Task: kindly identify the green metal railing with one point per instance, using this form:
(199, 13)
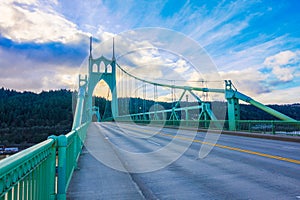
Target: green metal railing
(44, 170)
(29, 174)
(254, 126)
(270, 127)
(69, 148)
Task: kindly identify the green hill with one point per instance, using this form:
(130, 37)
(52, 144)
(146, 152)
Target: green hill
(27, 117)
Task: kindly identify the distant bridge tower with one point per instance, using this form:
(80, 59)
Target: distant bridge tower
(233, 106)
(101, 69)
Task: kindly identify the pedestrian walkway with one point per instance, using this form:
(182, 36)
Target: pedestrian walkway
(94, 180)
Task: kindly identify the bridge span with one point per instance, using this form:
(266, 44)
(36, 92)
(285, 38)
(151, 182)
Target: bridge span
(124, 160)
(236, 168)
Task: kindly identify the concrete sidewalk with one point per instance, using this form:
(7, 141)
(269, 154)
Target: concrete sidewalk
(94, 180)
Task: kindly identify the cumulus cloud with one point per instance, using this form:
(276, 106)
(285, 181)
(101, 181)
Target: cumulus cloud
(281, 65)
(255, 84)
(266, 83)
(249, 81)
(282, 58)
(103, 35)
(283, 96)
(283, 74)
(21, 73)
(60, 77)
(181, 66)
(29, 21)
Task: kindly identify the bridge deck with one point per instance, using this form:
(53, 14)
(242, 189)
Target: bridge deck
(238, 168)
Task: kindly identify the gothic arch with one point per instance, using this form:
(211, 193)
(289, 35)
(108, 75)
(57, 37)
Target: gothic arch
(95, 77)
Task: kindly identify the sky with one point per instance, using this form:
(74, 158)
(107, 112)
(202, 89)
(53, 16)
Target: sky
(254, 43)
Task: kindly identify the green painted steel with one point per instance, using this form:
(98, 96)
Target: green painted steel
(189, 88)
(69, 148)
(101, 69)
(80, 104)
(233, 106)
(31, 173)
(231, 95)
(271, 111)
(204, 107)
(253, 126)
(95, 111)
(233, 112)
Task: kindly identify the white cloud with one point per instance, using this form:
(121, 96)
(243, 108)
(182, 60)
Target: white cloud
(282, 58)
(224, 32)
(56, 78)
(279, 64)
(283, 74)
(103, 35)
(181, 66)
(28, 2)
(210, 26)
(281, 96)
(249, 81)
(248, 54)
(21, 73)
(255, 84)
(28, 21)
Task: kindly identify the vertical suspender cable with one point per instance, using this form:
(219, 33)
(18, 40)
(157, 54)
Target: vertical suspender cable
(144, 97)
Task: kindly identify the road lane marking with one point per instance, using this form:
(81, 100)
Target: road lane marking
(152, 142)
(228, 147)
(237, 149)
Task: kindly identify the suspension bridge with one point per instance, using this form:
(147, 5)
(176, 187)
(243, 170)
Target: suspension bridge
(146, 145)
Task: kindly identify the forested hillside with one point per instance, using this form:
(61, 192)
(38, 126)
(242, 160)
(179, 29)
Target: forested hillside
(27, 117)
(249, 112)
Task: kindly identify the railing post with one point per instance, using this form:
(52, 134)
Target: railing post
(76, 149)
(79, 107)
(53, 168)
(62, 165)
(273, 127)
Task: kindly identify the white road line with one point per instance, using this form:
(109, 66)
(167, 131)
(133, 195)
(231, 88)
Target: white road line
(152, 142)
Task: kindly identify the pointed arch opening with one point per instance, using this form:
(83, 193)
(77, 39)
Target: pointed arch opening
(102, 67)
(95, 68)
(102, 98)
(108, 69)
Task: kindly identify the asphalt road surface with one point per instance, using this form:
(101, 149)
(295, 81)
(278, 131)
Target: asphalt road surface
(123, 161)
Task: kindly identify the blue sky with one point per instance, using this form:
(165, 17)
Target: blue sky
(256, 44)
